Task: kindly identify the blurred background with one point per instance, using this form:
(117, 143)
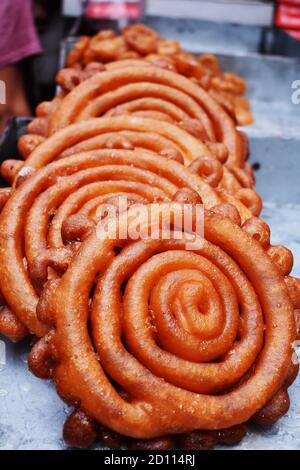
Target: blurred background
(246, 34)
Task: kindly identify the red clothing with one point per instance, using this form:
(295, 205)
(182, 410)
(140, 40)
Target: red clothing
(18, 38)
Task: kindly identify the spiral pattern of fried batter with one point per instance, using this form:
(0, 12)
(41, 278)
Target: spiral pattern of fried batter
(105, 90)
(208, 329)
(34, 232)
(139, 43)
(142, 133)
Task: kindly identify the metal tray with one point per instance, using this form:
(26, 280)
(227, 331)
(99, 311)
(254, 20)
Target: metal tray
(9, 139)
(32, 415)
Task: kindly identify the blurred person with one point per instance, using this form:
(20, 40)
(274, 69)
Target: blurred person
(18, 41)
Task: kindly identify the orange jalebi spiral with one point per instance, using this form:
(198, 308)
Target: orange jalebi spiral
(9, 324)
(34, 232)
(159, 102)
(106, 90)
(181, 337)
(139, 42)
(161, 94)
(184, 104)
(136, 132)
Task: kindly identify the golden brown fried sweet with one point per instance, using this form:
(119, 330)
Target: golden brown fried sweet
(140, 41)
(160, 104)
(33, 229)
(180, 339)
(108, 89)
(141, 38)
(152, 135)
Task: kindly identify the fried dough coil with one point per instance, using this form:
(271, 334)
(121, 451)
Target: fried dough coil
(10, 326)
(196, 338)
(165, 98)
(156, 101)
(105, 90)
(140, 43)
(32, 222)
(81, 131)
(141, 133)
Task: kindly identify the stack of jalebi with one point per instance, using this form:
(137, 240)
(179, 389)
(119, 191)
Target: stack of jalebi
(141, 42)
(177, 339)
